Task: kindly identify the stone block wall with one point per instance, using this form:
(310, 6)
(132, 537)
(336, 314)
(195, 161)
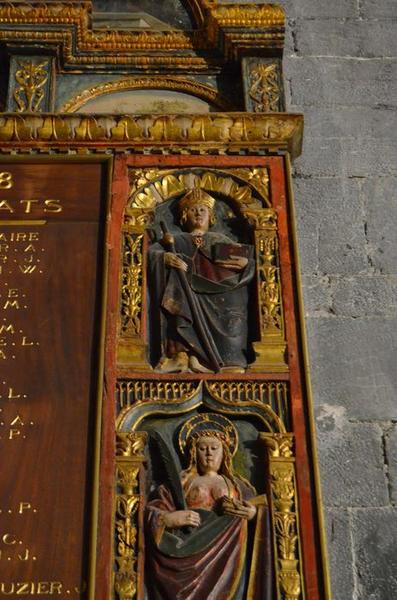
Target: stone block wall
(341, 71)
(340, 68)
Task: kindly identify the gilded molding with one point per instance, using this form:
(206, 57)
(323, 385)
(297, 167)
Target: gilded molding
(243, 15)
(160, 82)
(220, 27)
(225, 131)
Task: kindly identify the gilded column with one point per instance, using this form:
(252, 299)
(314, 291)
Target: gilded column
(129, 460)
(270, 348)
(284, 508)
(132, 343)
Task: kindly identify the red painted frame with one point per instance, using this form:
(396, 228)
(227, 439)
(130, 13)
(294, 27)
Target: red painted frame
(305, 466)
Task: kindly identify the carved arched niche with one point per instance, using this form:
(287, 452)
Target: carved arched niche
(244, 212)
(154, 95)
(151, 414)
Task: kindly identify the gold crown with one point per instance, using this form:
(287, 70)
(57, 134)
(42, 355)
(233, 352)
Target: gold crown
(194, 197)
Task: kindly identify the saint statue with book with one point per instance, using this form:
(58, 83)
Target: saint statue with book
(199, 293)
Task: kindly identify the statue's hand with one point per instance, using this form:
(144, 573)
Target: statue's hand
(237, 508)
(180, 518)
(234, 263)
(172, 260)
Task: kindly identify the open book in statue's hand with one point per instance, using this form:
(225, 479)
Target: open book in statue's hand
(221, 252)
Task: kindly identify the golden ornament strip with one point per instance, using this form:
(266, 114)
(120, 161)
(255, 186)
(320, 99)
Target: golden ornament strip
(232, 131)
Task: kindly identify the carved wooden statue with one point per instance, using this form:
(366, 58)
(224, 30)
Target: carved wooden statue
(199, 293)
(205, 526)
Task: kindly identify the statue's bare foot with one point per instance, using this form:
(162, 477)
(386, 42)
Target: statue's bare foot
(179, 363)
(196, 366)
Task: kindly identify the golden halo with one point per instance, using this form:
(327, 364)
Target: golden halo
(208, 424)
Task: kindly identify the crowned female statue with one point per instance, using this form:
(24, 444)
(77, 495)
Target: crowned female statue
(199, 546)
(198, 293)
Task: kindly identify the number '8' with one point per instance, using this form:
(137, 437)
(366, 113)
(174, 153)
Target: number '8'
(6, 180)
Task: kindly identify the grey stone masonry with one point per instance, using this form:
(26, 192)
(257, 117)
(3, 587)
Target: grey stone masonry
(340, 70)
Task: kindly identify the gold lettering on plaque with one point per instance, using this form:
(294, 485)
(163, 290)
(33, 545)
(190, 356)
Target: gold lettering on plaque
(11, 395)
(14, 433)
(23, 506)
(19, 236)
(30, 588)
(28, 207)
(31, 205)
(7, 328)
(8, 539)
(6, 181)
(15, 428)
(27, 269)
(12, 299)
(5, 206)
(24, 556)
(53, 206)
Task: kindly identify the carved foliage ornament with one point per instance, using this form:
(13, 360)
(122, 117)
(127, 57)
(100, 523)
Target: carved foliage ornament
(264, 88)
(131, 291)
(285, 521)
(129, 458)
(30, 77)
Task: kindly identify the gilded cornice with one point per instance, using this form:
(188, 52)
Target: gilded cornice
(219, 132)
(160, 82)
(229, 29)
(247, 14)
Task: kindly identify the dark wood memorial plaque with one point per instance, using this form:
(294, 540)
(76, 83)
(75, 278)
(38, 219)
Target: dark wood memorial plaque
(51, 263)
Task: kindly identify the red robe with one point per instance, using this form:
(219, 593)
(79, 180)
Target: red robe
(203, 564)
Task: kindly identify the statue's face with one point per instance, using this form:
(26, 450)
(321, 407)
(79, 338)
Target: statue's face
(198, 217)
(209, 454)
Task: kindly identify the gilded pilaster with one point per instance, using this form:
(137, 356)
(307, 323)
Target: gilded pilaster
(284, 507)
(132, 345)
(271, 346)
(129, 460)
